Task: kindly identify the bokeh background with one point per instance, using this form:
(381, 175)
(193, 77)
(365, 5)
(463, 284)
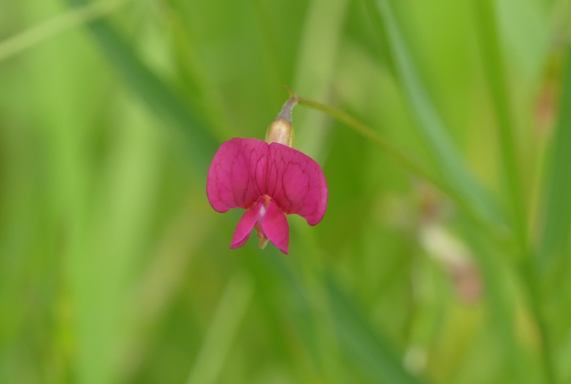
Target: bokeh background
(444, 253)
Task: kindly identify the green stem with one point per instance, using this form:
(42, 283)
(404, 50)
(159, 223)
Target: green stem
(362, 129)
(410, 164)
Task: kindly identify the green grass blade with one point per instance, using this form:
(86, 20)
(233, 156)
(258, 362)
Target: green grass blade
(222, 332)
(316, 67)
(557, 201)
(52, 27)
(369, 351)
(497, 83)
(372, 355)
(297, 302)
(153, 91)
(429, 123)
(499, 303)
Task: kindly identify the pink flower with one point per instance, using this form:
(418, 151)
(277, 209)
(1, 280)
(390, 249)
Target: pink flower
(269, 180)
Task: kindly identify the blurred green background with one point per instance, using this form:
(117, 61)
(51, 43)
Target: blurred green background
(444, 253)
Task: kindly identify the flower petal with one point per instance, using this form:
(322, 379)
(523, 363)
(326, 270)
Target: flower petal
(296, 182)
(275, 226)
(244, 227)
(236, 176)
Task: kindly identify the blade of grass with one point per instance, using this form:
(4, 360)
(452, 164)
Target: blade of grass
(167, 104)
(56, 74)
(356, 338)
(192, 76)
(429, 123)
(322, 31)
(368, 350)
(117, 225)
(499, 303)
(557, 204)
(52, 27)
(222, 332)
(497, 82)
(154, 92)
(554, 238)
(163, 277)
(297, 302)
(273, 53)
(311, 272)
(372, 354)
(432, 128)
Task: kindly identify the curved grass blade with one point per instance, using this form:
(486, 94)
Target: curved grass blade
(52, 27)
(365, 347)
(497, 82)
(222, 332)
(498, 300)
(322, 33)
(371, 354)
(496, 78)
(430, 124)
(557, 218)
(153, 91)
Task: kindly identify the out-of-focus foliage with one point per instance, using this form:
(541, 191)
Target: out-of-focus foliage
(114, 269)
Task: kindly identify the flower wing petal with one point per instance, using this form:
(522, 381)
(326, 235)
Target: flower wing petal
(237, 174)
(275, 227)
(244, 227)
(296, 182)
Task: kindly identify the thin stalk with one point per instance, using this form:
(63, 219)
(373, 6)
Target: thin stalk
(362, 129)
(410, 164)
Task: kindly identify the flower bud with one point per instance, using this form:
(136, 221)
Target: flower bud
(281, 129)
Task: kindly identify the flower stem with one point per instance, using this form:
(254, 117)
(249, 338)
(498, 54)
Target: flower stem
(367, 132)
(287, 108)
(410, 164)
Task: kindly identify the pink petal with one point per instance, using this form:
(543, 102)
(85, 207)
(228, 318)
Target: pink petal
(296, 182)
(275, 226)
(244, 227)
(236, 177)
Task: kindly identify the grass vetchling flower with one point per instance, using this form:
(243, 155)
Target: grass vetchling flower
(268, 179)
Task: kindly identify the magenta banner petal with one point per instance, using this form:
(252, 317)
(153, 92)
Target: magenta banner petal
(236, 177)
(275, 226)
(244, 227)
(296, 182)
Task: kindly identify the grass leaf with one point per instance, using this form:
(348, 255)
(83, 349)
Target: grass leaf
(429, 123)
(497, 82)
(557, 201)
(52, 27)
(222, 331)
(369, 351)
(500, 304)
(153, 91)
